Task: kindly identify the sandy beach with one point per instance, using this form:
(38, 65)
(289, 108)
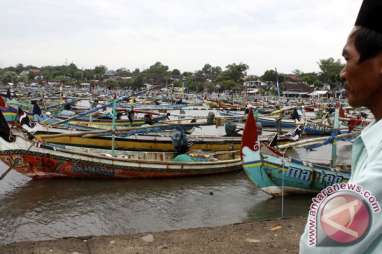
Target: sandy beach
(272, 236)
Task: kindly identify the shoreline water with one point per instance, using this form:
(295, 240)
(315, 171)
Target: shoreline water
(269, 236)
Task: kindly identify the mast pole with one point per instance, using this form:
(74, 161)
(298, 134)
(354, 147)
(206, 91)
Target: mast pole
(336, 126)
(113, 126)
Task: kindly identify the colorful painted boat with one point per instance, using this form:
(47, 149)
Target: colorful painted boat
(314, 129)
(10, 113)
(147, 142)
(270, 122)
(45, 161)
(278, 175)
(144, 142)
(105, 123)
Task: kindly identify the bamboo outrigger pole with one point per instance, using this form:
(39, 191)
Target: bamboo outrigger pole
(312, 141)
(114, 112)
(98, 108)
(96, 133)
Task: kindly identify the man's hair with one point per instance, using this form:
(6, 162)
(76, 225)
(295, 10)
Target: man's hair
(368, 43)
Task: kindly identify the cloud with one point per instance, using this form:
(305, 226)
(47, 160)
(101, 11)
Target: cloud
(183, 34)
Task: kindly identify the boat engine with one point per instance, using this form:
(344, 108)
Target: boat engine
(231, 129)
(180, 142)
(210, 118)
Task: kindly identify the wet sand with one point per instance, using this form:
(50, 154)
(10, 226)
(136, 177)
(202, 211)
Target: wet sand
(272, 236)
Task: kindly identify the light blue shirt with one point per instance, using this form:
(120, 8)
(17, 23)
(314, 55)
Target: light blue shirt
(366, 172)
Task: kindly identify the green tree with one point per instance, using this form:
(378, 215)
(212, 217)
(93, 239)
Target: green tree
(175, 74)
(8, 77)
(99, 71)
(78, 75)
(210, 72)
(232, 77)
(157, 74)
(137, 82)
(19, 68)
(112, 83)
(70, 70)
(123, 72)
(229, 84)
(236, 72)
(330, 71)
(23, 78)
(311, 78)
(269, 76)
(88, 74)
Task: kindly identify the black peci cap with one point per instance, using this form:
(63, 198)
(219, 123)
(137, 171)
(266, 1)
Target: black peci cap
(370, 15)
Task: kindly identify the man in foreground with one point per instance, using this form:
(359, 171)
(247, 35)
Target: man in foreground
(346, 218)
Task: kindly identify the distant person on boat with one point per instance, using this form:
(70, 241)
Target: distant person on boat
(347, 218)
(295, 115)
(23, 119)
(9, 94)
(36, 112)
(130, 115)
(148, 119)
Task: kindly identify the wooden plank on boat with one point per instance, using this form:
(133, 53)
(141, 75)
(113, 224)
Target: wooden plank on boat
(312, 141)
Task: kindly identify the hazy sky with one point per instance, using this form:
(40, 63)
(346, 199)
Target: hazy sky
(287, 34)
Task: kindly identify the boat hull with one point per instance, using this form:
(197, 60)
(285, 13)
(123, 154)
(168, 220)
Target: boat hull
(267, 122)
(53, 164)
(147, 143)
(277, 177)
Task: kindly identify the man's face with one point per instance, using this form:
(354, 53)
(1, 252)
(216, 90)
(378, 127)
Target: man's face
(363, 80)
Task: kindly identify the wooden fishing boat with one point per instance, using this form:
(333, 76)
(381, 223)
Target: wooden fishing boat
(291, 136)
(271, 122)
(314, 129)
(47, 161)
(278, 175)
(223, 105)
(144, 141)
(105, 123)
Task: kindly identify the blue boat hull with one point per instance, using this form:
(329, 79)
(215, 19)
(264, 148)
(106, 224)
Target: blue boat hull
(271, 123)
(276, 177)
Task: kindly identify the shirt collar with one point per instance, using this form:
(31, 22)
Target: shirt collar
(371, 136)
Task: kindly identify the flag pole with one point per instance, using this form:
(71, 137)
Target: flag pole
(277, 83)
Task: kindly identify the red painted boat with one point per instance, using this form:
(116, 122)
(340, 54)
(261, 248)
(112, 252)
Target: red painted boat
(46, 161)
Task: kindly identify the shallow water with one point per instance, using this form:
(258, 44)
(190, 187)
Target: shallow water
(49, 209)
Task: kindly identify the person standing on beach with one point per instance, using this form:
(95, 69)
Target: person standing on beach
(346, 217)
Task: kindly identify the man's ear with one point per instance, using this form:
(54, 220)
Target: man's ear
(379, 57)
(379, 62)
